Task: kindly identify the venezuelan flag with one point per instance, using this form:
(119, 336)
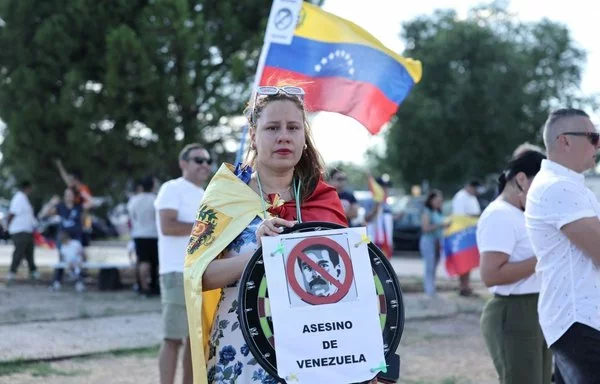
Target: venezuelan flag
(344, 69)
(460, 245)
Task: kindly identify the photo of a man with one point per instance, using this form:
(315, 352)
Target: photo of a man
(329, 261)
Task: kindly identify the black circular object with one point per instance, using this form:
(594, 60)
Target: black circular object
(254, 316)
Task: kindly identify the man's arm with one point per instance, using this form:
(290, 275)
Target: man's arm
(369, 216)
(170, 226)
(352, 211)
(585, 234)
(63, 172)
(11, 216)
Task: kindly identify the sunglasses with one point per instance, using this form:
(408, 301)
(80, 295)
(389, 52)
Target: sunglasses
(593, 137)
(340, 178)
(273, 91)
(201, 160)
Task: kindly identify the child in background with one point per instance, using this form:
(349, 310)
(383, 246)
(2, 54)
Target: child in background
(72, 254)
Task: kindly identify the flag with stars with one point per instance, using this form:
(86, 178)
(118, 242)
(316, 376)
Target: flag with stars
(342, 68)
(460, 245)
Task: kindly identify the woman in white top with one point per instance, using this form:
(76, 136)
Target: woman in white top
(509, 321)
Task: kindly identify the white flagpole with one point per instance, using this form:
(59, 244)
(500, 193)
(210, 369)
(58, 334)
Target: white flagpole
(278, 33)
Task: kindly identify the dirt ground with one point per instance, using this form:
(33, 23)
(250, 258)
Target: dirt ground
(437, 351)
(442, 351)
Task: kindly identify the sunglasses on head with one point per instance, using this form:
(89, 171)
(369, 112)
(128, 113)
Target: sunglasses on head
(273, 91)
(593, 137)
(201, 160)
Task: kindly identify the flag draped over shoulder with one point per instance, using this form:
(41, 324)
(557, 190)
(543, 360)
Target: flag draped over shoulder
(227, 208)
(344, 68)
(460, 245)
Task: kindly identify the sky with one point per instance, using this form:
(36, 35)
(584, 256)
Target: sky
(377, 18)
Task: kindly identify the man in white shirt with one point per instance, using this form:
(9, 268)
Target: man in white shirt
(465, 203)
(145, 236)
(21, 223)
(562, 221)
(176, 206)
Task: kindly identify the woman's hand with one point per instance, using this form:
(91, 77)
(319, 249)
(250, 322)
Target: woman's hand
(273, 227)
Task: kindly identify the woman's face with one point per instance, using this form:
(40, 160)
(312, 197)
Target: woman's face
(69, 196)
(522, 183)
(437, 201)
(279, 136)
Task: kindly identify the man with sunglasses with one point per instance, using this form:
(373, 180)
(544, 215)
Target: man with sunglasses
(562, 222)
(176, 205)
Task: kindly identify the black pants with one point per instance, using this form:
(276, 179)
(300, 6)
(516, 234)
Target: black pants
(23, 242)
(577, 355)
(146, 250)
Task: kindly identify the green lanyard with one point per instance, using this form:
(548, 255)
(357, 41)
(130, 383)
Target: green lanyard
(296, 196)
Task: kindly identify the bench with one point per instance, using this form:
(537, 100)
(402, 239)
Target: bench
(109, 276)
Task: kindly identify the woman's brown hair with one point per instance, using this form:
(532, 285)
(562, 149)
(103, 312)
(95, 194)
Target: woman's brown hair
(310, 167)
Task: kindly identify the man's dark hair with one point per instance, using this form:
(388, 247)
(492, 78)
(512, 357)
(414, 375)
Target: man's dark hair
(334, 172)
(333, 255)
(384, 181)
(25, 184)
(185, 152)
(147, 183)
(474, 183)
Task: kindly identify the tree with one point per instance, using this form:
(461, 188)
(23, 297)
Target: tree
(488, 84)
(117, 88)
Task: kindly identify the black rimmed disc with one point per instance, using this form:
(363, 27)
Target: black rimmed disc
(254, 313)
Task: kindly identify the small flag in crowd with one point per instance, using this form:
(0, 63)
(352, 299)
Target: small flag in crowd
(460, 245)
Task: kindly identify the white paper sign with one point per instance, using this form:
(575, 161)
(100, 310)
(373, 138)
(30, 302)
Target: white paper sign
(324, 306)
(282, 21)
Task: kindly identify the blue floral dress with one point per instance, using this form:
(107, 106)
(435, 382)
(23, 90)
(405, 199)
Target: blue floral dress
(229, 359)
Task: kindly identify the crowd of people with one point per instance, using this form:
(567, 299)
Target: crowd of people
(538, 242)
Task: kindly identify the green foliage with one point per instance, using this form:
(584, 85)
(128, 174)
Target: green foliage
(488, 84)
(117, 88)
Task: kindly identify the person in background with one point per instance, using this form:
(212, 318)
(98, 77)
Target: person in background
(176, 205)
(145, 236)
(83, 197)
(465, 203)
(379, 217)
(21, 223)
(338, 180)
(71, 221)
(71, 252)
(561, 216)
(430, 243)
(509, 322)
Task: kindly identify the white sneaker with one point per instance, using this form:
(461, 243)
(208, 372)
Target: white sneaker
(10, 276)
(35, 275)
(79, 286)
(56, 286)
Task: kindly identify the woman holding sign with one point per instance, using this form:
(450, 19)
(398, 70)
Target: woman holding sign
(509, 322)
(279, 185)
